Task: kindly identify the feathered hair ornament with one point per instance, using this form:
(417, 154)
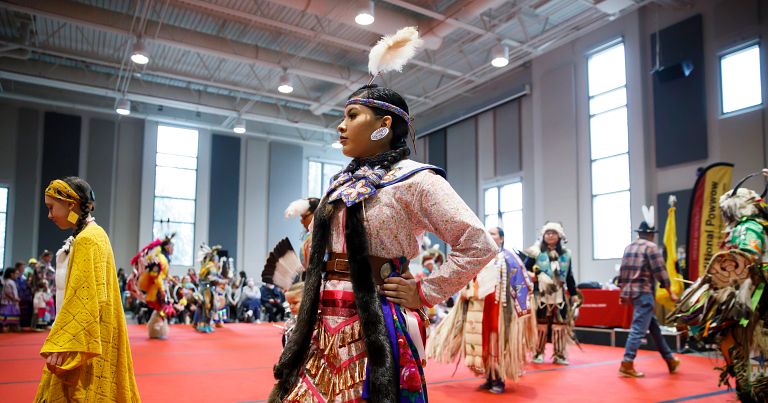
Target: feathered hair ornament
(648, 225)
(392, 52)
(649, 216)
(297, 208)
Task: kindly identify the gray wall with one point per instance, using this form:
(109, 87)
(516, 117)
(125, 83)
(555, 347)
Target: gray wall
(124, 233)
(285, 185)
(25, 192)
(101, 166)
(254, 213)
(461, 160)
(224, 192)
(110, 160)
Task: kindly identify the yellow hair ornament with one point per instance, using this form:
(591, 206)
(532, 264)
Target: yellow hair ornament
(61, 190)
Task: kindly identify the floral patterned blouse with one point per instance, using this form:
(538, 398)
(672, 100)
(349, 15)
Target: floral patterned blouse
(399, 214)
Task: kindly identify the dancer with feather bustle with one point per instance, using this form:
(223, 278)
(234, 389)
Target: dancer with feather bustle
(727, 305)
(359, 336)
(149, 282)
(210, 277)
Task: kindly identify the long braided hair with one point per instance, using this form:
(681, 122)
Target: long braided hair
(381, 363)
(87, 200)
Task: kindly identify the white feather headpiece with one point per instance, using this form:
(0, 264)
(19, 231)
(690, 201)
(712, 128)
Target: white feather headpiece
(297, 208)
(649, 216)
(553, 226)
(392, 52)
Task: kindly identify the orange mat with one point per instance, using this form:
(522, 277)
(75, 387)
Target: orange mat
(234, 364)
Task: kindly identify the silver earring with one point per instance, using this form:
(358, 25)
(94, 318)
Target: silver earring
(379, 133)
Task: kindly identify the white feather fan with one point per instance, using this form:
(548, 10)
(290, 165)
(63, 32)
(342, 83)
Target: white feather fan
(283, 266)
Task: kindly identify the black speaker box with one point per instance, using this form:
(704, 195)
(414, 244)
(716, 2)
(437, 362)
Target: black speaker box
(674, 71)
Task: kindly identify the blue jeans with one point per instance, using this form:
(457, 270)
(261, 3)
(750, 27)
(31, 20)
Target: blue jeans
(644, 320)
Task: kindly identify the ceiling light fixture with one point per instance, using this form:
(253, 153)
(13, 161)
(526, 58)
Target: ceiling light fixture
(286, 87)
(500, 56)
(365, 15)
(139, 54)
(123, 107)
(337, 145)
(239, 126)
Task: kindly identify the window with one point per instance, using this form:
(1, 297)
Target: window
(319, 177)
(609, 151)
(740, 79)
(175, 190)
(504, 208)
(3, 220)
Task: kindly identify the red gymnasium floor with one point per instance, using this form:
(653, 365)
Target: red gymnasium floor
(234, 365)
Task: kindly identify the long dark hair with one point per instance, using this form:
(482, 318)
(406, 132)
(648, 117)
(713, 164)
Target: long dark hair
(313, 203)
(87, 200)
(400, 127)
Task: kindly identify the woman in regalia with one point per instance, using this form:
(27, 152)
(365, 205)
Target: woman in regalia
(359, 336)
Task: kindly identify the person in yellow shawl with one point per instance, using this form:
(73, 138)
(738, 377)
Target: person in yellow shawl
(87, 355)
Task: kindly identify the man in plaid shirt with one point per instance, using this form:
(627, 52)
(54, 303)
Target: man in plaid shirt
(641, 266)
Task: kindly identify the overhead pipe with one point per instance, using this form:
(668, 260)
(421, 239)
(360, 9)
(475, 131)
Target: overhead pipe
(434, 33)
(387, 21)
(157, 118)
(16, 53)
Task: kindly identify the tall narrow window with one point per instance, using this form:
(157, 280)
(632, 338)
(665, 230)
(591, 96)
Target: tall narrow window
(609, 151)
(319, 176)
(3, 220)
(175, 190)
(740, 82)
(504, 208)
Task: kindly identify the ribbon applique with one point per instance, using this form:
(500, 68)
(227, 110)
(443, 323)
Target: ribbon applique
(356, 187)
(357, 191)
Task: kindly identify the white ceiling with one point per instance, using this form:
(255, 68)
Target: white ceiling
(214, 60)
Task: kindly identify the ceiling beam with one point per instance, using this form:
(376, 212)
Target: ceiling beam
(117, 23)
(446, 19)
(94, 59)
(98, 84)
(154, 117)
(307, 33)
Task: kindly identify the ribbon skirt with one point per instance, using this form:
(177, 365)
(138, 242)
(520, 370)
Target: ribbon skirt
(336, 366)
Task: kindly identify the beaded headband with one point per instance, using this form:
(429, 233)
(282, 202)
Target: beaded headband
(381, 105)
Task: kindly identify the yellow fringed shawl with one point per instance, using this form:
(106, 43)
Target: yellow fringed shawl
(91, 327)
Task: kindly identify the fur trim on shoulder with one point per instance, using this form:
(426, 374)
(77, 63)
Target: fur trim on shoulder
(286, 371)
(532, 251)
(382, 379)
